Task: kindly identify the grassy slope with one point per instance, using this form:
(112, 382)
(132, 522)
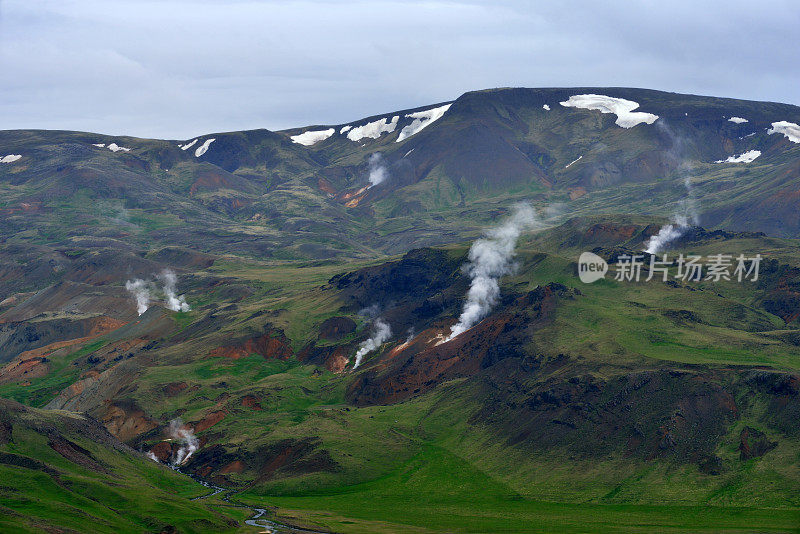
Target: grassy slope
(486, 487)
(403, 465)
(457, 481)
(132, 495)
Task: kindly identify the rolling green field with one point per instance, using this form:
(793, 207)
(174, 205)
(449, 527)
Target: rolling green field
(432, 463)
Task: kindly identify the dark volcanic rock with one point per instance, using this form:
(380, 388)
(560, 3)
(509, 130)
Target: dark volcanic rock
(649, 414)
(754, 443)
(421, 364)
(287, 457)
(335, 328)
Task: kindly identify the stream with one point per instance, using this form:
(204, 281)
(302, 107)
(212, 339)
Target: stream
(271, 527)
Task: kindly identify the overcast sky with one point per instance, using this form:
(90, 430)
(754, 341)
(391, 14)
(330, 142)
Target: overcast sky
(175, 68)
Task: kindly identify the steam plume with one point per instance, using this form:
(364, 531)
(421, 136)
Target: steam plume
(686, 212)
(189, 442)
(411, 335)
(380, 333)
(666, 235)
(555, 210)
(141, 292)
(173, 302)
(377, 169)
(489, 259)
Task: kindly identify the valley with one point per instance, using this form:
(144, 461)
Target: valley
(612, 406)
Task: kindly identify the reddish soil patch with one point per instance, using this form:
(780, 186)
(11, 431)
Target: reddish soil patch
(250, 401)
(295, 456)
(209, 420)
(27, 368)
(126, 420)
(338, 360)
(174, 388)
(609, 233)
(209, 179)
(326, 186)
(270, 345)
(99, 326)
(576, 193)
(162, 450)
(236, 466)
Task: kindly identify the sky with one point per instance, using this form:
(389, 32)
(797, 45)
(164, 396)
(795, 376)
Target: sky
(175, 69)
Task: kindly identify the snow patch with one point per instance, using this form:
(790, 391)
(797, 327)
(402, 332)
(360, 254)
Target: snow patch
(11, 158)
(188, 145)
(623, 109)
(546, 107)
(575, 161)
(312, 136)
(204, 147)
(789, 129)
(373, 129)
(113, 147)
(422, 119)
(345, 129)
(747, 157)
(738, 120)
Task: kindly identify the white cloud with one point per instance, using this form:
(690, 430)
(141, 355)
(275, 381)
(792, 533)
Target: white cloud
(246, 64)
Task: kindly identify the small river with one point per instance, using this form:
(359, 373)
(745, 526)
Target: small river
(267, 525)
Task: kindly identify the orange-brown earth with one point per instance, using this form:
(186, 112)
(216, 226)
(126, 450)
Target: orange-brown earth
(270, 345)
(417, 366)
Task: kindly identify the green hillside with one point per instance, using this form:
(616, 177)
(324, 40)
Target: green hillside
(613, 406)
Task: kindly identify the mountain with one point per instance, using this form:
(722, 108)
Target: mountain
(607, 406)
(257, 190)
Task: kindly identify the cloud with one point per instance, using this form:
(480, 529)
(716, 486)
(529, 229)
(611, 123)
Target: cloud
(80, 65)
